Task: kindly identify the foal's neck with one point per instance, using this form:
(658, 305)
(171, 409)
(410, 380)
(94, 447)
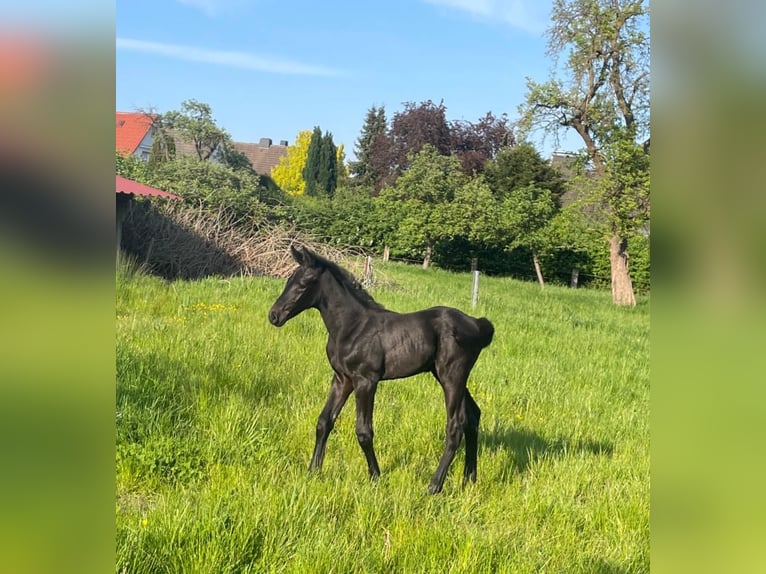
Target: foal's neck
(339, 308)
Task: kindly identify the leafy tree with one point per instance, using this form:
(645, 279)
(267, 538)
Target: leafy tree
(414, 206)
(211, 185)
(163, 142)
(288, 174)
(473, 213)
(414, 128)
(525, 213)
(130, 166)
(521, 166)
(476, 143)
(194, 123)
(365, 170)
(604, 98)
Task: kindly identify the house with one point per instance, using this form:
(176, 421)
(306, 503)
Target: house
(264, 155)
(134, 133)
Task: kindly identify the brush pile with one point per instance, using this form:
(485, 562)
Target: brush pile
(178, 241)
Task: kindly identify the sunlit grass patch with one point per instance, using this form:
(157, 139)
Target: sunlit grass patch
(216, 411)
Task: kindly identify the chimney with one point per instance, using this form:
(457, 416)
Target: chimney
(265, 142)
(283, 143)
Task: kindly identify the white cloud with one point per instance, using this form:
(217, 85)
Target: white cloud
(243, 60)
(529, 15)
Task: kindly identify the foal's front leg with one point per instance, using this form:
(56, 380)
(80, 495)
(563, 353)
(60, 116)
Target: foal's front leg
(365, 402)
(340, 389)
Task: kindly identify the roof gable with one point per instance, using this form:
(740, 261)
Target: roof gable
(130, 130)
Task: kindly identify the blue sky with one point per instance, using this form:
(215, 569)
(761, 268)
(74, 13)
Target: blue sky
(270, 68)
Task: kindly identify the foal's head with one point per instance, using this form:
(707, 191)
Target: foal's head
(301, 291)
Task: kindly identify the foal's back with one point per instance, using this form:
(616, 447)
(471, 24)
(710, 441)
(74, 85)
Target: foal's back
(415, 342)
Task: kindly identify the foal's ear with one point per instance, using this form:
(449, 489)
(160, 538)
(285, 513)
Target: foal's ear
(297, 254)
(303, 256)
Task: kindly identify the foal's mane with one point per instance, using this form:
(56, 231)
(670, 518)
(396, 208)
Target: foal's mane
(348, 281)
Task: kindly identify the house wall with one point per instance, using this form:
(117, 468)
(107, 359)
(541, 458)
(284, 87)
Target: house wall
(144, 149)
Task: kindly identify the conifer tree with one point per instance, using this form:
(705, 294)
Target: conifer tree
(364, 170)
(321, 170)
(328, 166)
(311, 169)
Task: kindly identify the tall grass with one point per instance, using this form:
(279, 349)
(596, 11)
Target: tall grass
(215, 426)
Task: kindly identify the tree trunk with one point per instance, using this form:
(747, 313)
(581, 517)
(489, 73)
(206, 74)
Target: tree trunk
(622, 286)
(539, 272)
(427, 259)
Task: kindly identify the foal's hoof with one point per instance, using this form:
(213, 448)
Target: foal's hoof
(469, 478)
(434, 488)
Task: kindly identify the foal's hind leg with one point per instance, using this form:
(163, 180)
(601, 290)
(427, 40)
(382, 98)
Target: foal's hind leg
(473, 414)
(339, 391)
(454, 391)
(365, 402)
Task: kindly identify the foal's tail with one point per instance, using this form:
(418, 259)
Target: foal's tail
(486, 331)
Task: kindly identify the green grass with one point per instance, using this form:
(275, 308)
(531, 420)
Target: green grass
(215, 427)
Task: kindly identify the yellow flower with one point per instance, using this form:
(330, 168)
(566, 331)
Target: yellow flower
(144, 521)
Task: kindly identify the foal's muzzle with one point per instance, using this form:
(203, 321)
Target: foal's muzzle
(274, 318)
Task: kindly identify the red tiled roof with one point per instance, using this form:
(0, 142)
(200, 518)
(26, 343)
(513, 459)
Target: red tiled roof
(131, 128)
(125, 185)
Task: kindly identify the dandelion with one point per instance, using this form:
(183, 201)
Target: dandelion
(213, 307)
(144, 521)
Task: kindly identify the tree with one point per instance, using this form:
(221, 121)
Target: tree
(311, 169)
(521, 166)
(320, 171)
(415, 203)
(211, 185)
(288, 173)
(342, 169)
(605, 100)
(472, 214)
(131, 166)
(476, 143)
(365, 170)
(195, 124)
(414, 128)
(524, 214)
(328, 166)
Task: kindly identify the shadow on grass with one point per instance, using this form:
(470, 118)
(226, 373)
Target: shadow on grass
(527, 446)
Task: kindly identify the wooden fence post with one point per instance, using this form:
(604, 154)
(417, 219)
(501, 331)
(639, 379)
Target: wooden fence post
(475, 289)
(575, 276)
(368, 278)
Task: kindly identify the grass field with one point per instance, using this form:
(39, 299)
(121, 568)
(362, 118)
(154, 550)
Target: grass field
(216, 412)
